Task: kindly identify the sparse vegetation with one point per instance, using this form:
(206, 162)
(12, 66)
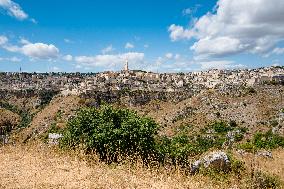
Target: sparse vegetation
(26, 117)
(263, 180)
(266, 140)
(46, 96)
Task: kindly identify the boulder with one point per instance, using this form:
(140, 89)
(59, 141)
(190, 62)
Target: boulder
(53, 138)
(264, 153)
(215, 160)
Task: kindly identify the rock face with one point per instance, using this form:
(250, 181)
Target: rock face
(215, 160)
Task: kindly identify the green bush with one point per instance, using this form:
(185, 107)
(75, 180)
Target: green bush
(112, 133)
(178, 149)
(221, 127)
(268, 140)
(248, 146)
(46, 96)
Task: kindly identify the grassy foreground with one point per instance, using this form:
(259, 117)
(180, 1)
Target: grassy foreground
(41, 167)
(38, 166)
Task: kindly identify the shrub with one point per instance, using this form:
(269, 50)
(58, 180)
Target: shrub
(268, 140)
(248, 146)
(46, 96)
(221, 127)
(250, 90)
(263, 180)
(112, 133)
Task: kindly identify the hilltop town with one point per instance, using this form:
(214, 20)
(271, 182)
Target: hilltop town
(196, 112)
(137, 80)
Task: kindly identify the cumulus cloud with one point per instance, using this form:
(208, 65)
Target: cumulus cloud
(108, 49)
(179, 32)
(13, 9)
(32, 50)
(110, 60)
(235, 26)
(40, 51)
(129, 46)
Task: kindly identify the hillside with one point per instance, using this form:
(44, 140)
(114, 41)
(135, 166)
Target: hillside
(255, 111)
(38, 164)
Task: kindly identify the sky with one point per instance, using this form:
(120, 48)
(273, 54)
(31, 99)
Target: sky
(152, 35)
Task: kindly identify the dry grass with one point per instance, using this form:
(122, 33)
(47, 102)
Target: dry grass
(274, 166)
(39, 166)
(30, 167)
(6, 115)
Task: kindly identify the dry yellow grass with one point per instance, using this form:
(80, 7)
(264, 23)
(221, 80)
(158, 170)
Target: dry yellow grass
(39, 166)
(25, 167)
(6, 115)
(273, 166)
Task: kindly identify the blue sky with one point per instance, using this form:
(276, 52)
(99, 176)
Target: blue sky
(163, 36)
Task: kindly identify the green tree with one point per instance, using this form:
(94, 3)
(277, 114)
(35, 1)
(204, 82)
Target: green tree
(112, 133)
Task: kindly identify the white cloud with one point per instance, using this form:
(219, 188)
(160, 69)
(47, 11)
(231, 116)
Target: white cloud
(218, 46)
(146, 46)
(178, 32)
(275, 51)
(177, 56)
(222, 64)
(3, 40)
(12, 59)
(169, 55)
(24, 41)
(40, 51)
(32, 50)
(15, 59)
(108, 49)
(13, 9)
(111, 61)
(236, 26)
(278, 51)
(129, 45)
(67, 57)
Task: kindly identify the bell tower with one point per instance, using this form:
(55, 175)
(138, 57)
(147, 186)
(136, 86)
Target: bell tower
(126, 66)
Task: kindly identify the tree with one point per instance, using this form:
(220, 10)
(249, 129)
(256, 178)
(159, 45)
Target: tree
(112, 133)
